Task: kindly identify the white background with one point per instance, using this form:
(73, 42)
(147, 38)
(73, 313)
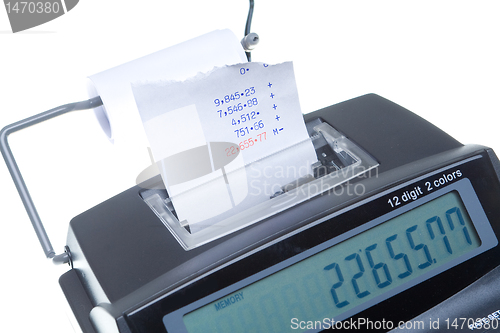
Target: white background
(439, 59)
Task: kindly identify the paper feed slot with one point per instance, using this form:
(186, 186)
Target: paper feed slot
(339, 160)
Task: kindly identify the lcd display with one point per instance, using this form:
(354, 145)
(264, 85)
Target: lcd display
(367, 267)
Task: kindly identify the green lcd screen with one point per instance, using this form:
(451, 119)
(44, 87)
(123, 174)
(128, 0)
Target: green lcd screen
(386, 256)
(332, 282)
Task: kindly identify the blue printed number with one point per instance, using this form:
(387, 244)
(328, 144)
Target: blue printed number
(357, 275)
(419, 247)
(376, 267)
(441, 230)
(399, 256)
(337, 285)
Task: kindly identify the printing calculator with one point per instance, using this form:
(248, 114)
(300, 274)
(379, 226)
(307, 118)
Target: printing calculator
(407, 244)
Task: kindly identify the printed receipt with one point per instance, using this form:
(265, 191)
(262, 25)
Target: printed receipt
(226, 140)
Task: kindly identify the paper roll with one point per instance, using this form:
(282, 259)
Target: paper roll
(119, 117)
